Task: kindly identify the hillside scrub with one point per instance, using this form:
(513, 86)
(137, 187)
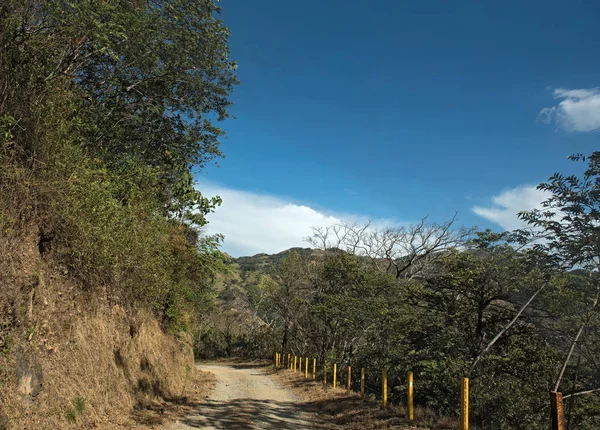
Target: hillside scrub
(519, 318)
(103, 264)
(350, 313)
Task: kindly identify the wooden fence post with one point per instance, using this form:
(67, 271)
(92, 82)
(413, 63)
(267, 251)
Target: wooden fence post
(324, 372)
(334, 375)
(557, 411)
(314, 369)
(275, 361)
(464, 404)
(362, 383)
(300, 370)
(295, 363)
(384, 388)
(411, 412)
(349, 380)
(306, 368)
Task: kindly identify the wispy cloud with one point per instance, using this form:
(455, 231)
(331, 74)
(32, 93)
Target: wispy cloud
(506, 205)
(578, 110)
(254, 223)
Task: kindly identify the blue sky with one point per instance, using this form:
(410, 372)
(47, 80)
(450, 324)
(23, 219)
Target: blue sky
(391, 110)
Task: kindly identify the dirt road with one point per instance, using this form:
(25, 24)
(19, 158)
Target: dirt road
(246, 398)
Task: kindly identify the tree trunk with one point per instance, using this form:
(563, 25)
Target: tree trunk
(284, 341)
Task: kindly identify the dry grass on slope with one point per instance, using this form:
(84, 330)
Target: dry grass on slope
(159, 414)
(102, 366)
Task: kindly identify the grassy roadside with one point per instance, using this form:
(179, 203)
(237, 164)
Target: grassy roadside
(160, 415)
(335, 409)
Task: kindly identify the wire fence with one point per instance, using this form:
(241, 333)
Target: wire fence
(328, 374)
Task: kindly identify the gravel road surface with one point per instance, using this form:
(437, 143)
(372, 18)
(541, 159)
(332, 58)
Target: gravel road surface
(246, 398)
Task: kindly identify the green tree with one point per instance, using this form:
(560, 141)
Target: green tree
(349, 298)
(106, 109)
(567, 229)
(288, 289)
(147, 81)
(569, 222)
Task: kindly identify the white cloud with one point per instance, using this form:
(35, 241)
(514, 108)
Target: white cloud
(578, 110)
(506, 205)
(254, 223)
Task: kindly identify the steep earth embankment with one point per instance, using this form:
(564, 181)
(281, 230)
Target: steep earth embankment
(69, 356)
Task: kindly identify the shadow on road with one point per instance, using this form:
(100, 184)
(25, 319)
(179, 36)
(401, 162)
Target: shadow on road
(248, 365)
(248, 414)
(235, 363)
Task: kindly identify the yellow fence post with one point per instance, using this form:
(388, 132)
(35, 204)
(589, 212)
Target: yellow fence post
(295, 363)
(384, 388)
(300, 370)
(362, 383)
(464, 404)
(324, 372)
(556, 408)
(334, 375)
(314, 369)
(411, 411)
(306, 368)
(349, 380)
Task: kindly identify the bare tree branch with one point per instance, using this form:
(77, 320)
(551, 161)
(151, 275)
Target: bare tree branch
(580, 393)
(403, 251)
(501, 332)
(573, 344)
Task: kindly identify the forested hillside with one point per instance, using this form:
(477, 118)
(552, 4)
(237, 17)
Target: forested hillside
(516, 312)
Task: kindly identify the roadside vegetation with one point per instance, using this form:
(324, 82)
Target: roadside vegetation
(516, 312)
(105, 109)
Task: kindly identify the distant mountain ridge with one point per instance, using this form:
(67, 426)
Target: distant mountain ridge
(262, 261)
